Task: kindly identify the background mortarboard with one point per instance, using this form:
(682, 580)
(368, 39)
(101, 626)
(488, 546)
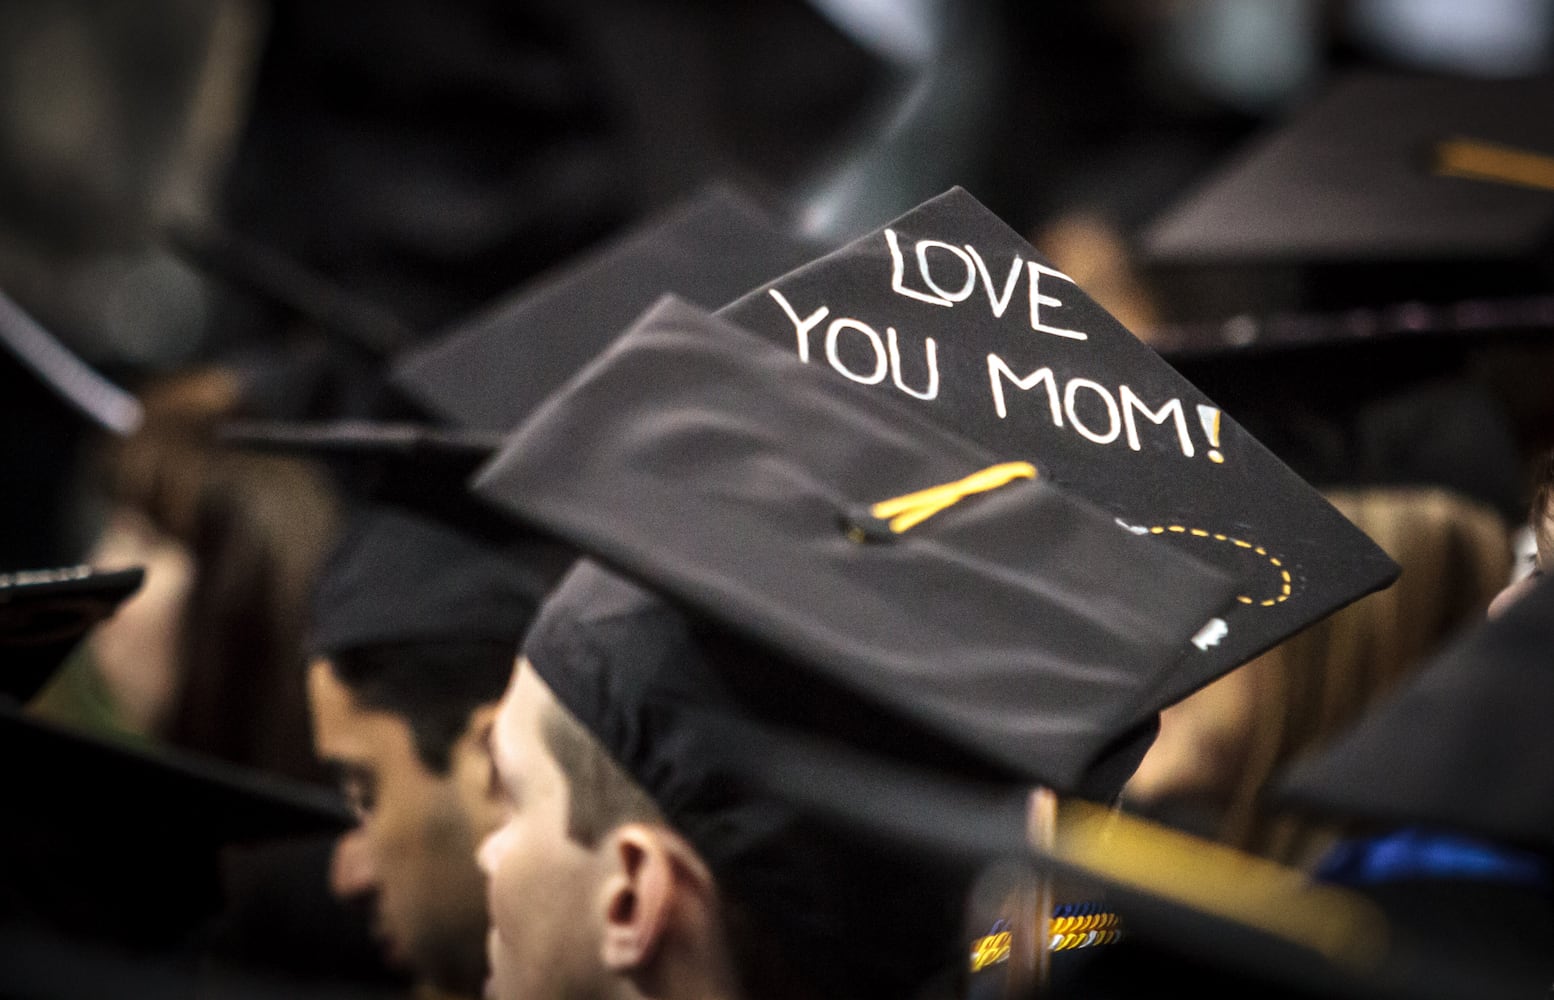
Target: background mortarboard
(1195, 914)
(421, 556)
(1463, 750)
(108, 839)
(490, 373)
(44, 614)
(1465, 745)
(995, 312)
(1023, 625)
(1348, 204)
(56, 403)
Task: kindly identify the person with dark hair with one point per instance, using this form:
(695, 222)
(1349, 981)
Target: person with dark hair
(416, 621)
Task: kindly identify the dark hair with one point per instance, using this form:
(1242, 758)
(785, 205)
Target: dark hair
(255, 527)
(434, 686)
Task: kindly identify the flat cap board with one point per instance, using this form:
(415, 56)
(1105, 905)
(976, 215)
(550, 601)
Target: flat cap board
(1385, 189)
(45, 613)
(493, 371)
(1465, 745)
(951, 312)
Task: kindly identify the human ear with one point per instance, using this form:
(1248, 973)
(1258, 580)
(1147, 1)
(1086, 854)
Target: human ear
(638, 896)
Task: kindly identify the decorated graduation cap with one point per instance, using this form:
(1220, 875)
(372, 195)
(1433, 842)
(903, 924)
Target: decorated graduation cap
(787, 551)
(1385, 189)
(1464, 746)
(421, 558)
(949, 312)
(708, 250)
(44, 614)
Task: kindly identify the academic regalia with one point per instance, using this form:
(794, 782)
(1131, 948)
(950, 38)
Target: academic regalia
(951, 313)
(1451, 783)
(492, 370)
(44, 614)
(1367, 283)
(113, 857)
(758, 614)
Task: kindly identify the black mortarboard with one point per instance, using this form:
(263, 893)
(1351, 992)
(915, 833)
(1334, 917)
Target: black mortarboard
(949, 311)
(71, 379)
(1020, 632)
(1465, 745)
(55, 404)
(45, 613)
(421, 558)
(152, 872)
(1193, 915)
(707, 250)
(1384, 189)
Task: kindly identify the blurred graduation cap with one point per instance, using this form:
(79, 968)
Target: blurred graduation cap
(44, 614)
(111, 840)
(1463, 746)
(55, 402)
(950, 312)
(818, 559)
(493, 371)
(1385, 191)
(1193, 914)
(421, 557)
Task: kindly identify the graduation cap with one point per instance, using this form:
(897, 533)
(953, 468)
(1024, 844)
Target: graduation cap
(1189, 914)
(54, 365)
(708, 250)
(950, 312)
(45, 613)
(1386, 190)
(1463, 746)
(55, 402)
(820, 559)
(150, 873)
(421, 559)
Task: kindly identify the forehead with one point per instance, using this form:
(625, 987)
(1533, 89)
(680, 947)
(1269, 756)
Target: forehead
(344, 728)
(521, 713)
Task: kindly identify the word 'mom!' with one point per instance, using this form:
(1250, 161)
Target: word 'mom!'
(947, 276)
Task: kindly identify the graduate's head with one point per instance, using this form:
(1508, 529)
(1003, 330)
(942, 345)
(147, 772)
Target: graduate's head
(634, 861)
(416, 624)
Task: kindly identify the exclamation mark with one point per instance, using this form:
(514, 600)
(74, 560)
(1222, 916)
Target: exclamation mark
(1208, 416)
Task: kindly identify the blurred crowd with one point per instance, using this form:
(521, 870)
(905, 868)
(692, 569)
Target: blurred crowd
(254, 217)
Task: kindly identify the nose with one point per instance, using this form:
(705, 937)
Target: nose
(351, 869)
(486, 854)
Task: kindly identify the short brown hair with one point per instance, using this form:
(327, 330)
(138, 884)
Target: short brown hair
(600, 794)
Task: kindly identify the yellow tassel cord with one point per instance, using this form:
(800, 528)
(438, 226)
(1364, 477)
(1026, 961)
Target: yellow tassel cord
(905, 512)
(1487, 161)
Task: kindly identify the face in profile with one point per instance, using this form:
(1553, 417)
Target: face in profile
(412, 854)
(545, 938)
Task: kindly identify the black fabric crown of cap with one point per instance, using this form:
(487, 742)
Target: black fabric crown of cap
(950, 312)
(710, 249)
(1465, 745)
(421, 559)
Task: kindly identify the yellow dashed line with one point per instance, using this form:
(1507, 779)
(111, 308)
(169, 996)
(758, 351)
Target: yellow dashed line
(1284, 574)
